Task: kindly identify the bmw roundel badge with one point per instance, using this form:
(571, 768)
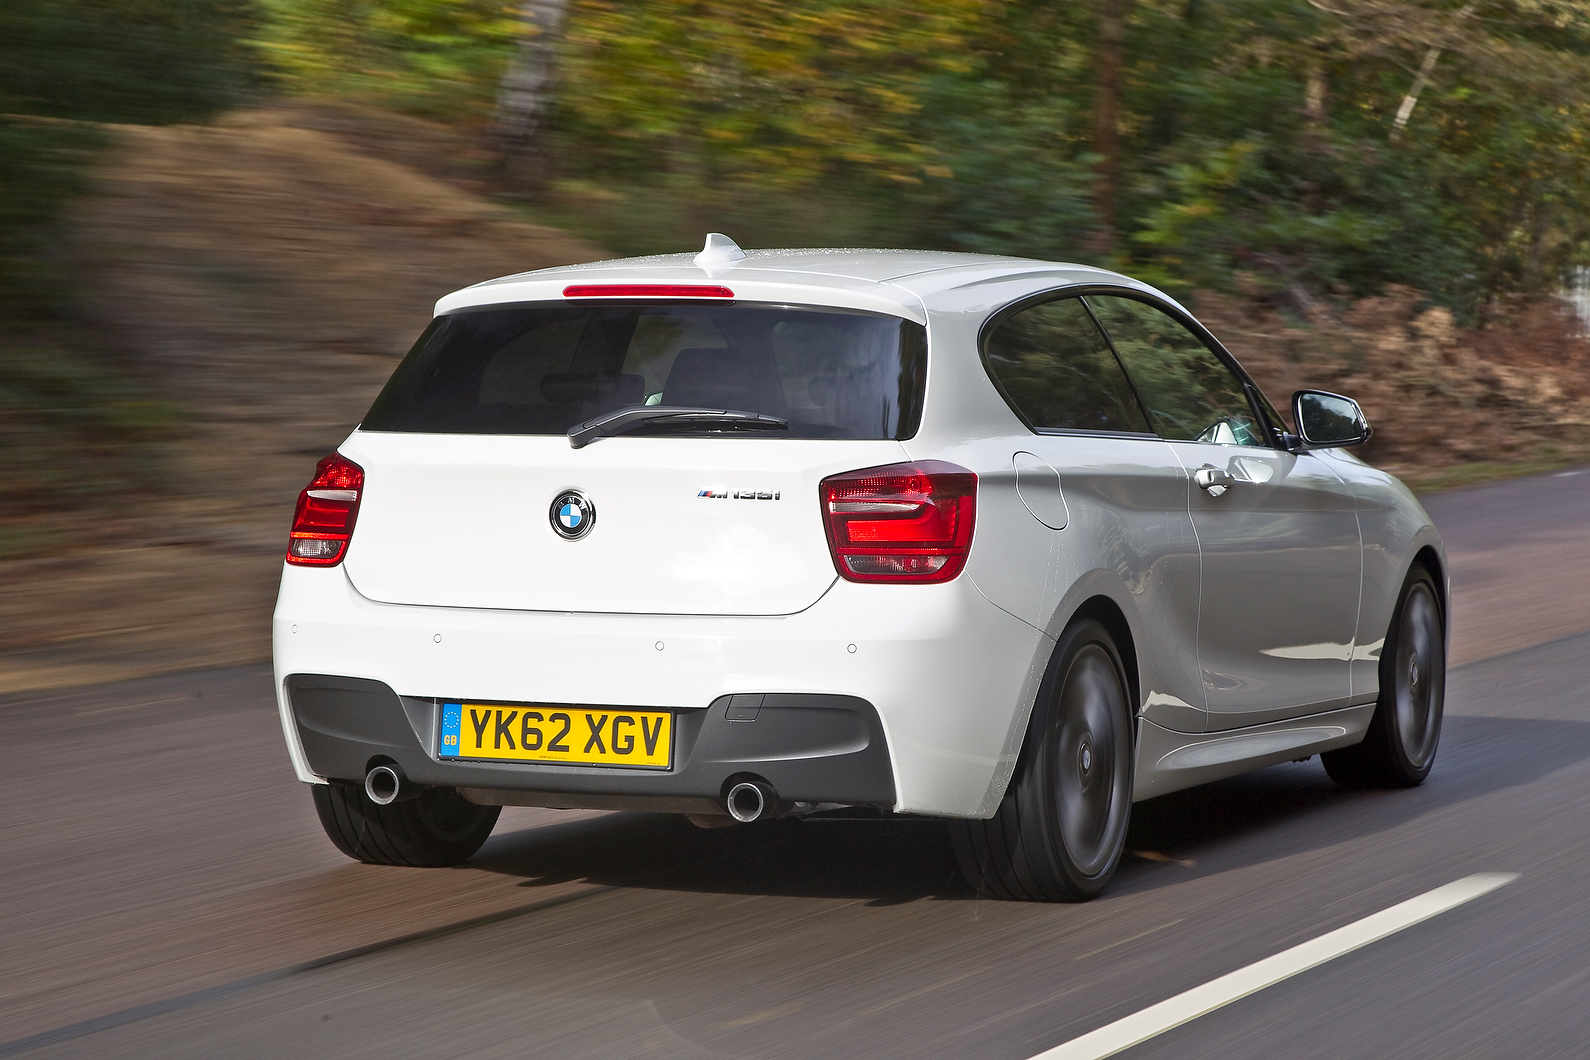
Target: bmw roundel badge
(572, 514)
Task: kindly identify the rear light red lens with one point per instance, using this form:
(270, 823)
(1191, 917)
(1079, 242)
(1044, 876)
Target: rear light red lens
(327, 508)
(646, 290)
(900, 523)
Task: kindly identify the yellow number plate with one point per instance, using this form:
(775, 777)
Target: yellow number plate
(587, 736)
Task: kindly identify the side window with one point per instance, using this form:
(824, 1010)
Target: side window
(1059, 372)
(1190, 394)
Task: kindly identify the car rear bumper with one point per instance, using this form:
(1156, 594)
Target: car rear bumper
(809, 748)
(942, 678)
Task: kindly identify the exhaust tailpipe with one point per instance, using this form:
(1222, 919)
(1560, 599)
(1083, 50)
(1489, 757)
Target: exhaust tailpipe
(751, 801)
(385, 784)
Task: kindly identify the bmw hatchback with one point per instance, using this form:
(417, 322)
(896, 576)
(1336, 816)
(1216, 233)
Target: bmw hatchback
(843, 533)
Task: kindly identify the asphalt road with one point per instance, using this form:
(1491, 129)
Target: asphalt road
(165, 890)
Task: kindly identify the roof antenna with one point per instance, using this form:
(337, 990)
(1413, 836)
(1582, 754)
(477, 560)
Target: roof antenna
(720, 250)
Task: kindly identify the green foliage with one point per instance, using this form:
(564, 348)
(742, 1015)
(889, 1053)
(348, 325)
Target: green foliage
(95, 61)
(436, 57)
(144, 61)
(1005, 178)
(40, 169)
(789, 92)
(1256, 136)
(1476, 199)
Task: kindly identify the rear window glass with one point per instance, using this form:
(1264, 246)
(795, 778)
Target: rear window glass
(541, 368)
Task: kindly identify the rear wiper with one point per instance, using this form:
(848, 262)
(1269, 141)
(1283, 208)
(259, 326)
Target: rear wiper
(678, 417)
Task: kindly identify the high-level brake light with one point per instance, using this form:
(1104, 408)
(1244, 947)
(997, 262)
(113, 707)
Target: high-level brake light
(327, 508)
(646, 290)
(902, 522)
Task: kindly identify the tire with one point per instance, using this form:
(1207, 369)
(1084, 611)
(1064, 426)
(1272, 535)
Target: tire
(1060, 829)
(1399, 747)
(439, 828)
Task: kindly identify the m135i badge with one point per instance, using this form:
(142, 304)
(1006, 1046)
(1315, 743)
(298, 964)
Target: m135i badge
(572, 514)
(741, 495)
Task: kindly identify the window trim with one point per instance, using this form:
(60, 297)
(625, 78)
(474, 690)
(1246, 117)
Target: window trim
(1083, 432)
(1214, 345)
(1181, 316)
(998, 318)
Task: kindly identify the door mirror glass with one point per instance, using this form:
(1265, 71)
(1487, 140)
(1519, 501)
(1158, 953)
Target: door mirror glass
(1326, 421)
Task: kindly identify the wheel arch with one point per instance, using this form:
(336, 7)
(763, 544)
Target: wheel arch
(1015, 850)
(1428, 558)
(1097, 604)
(1107, 613)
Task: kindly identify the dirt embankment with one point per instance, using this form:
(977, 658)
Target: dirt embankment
(1449, 405)
(265, 274)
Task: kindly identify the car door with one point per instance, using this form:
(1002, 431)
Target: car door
(1278, 531)
(1111, 494)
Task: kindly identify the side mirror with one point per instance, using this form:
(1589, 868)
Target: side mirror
(1327, 421)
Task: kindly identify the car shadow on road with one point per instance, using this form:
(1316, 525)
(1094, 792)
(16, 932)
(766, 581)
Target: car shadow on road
(1289, 809)
(1257, 817)
(884, 862)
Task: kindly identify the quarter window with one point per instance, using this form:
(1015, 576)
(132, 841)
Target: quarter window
(1191, 394)
(1059, 373)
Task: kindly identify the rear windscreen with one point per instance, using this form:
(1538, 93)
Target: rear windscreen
(541, 368)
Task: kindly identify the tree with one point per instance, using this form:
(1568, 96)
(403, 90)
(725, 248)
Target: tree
(526, 91)
(1107, 113)
(787, 94)
(441, 58)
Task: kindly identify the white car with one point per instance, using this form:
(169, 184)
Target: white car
(843, 532)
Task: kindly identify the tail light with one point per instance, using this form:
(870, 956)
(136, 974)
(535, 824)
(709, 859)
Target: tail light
(901, 523)
(323, 521)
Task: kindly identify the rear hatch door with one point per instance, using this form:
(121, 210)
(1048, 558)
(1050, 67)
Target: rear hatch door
(701, 526)
(466, 452)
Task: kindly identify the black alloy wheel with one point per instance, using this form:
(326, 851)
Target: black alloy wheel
(1399, 747)
(1060, 830)
(438, 828)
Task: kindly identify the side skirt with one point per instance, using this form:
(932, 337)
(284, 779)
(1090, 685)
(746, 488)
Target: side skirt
(1169, 761)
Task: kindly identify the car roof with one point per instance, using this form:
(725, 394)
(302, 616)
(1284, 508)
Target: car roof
(892, 281)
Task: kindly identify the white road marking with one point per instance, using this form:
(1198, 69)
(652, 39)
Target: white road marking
(1217, 993)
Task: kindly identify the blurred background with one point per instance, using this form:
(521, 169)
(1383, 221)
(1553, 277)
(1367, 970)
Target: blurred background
(222, 221)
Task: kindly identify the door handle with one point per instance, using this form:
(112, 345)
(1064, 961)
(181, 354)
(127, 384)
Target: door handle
(1214, 480)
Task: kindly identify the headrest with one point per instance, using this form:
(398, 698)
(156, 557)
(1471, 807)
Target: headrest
(825, 390)
(708, 377)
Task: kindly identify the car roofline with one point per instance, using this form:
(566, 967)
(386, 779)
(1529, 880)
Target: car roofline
(760, 279)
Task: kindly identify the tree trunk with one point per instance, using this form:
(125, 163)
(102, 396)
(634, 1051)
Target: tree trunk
(1107, 115)
(1426, 68)
(1314, 88)
(525, 91)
